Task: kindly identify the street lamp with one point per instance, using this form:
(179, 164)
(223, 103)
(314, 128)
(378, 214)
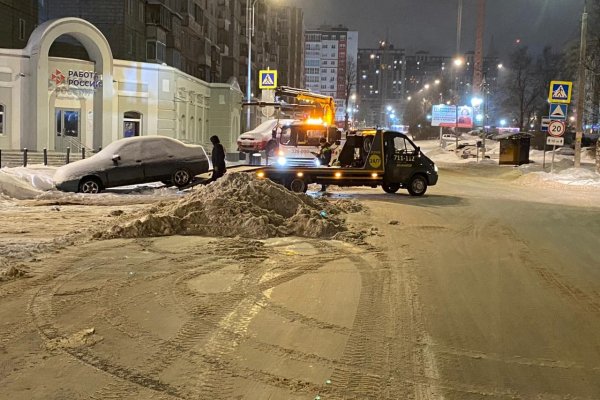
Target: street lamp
(476, 102)
(250, 32)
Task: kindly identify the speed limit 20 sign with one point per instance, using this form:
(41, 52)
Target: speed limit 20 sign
(556, 128)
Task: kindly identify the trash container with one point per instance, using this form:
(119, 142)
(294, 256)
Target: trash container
(514, 148)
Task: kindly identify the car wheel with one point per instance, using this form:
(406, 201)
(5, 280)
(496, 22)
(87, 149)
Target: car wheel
(90, 185)
(417, 185)
(390, 187)
(181, 178)
(298, 185)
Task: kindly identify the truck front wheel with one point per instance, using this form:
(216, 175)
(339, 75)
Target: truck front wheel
(417, 185)
(390, 187)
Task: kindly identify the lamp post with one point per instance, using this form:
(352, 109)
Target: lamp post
(250, 32)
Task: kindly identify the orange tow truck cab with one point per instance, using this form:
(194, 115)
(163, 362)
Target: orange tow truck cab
(368, 158)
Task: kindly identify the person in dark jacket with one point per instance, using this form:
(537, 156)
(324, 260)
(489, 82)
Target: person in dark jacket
(218, 159)
(324, 156)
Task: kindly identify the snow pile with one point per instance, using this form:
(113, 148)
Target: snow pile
(572, 177)
(13, 186)
(347, 205)
(39, 176)
(236, 205)
(25, 182)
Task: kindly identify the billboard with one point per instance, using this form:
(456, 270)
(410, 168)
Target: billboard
(443, 115)
(465, 117)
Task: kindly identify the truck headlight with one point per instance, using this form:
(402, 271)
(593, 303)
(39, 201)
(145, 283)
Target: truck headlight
(317, 162)
(281, 161)
(435, 168)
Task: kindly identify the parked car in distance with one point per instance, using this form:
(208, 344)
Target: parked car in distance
(132, 161)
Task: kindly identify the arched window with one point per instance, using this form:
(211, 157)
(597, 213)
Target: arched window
(132, 124)
(2, 132)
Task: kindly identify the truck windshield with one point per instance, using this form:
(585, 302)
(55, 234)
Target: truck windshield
(307, 135)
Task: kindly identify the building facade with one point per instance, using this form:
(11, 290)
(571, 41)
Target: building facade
(18, 18)
(290, 28)
(203, 38)
(330, 60)
(277, 43)
(381, 82)
(53, 103)
(389, 78)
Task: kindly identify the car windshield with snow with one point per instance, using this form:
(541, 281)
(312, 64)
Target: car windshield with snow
(132, 161)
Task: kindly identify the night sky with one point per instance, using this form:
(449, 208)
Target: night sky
(431, 24)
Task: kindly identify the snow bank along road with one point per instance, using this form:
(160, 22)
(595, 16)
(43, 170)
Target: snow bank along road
(482, 289)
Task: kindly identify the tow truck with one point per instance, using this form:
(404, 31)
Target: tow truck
(390, 160)
(296, 138)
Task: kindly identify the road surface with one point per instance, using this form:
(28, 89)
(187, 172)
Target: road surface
(482, 289)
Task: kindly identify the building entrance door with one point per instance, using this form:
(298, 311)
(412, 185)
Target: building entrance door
(68, 129)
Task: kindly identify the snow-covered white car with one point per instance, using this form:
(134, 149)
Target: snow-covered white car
(257, 138)
(132, 161)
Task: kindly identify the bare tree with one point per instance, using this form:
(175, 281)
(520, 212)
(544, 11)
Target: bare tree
(349, 85)
(549, 66)
(521, 90)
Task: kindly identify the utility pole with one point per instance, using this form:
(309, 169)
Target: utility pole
(459, 26)
(478, 69)
(581, 87)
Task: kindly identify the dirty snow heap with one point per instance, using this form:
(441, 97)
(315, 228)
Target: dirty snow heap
(236, 205)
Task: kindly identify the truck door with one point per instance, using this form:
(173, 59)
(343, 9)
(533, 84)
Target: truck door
(401, 157)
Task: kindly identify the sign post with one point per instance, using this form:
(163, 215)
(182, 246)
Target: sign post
(544, 159)
(558, 97)
(556, 129)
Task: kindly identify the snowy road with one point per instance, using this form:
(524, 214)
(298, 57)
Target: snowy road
(484, 288)
(507, 282)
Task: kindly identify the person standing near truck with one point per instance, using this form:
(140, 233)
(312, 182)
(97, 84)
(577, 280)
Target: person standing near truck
(324, 156)
(218, 158)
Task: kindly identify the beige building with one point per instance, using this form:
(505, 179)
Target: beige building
(49, 102)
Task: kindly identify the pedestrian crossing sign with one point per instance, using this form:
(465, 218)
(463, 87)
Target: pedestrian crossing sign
(560, 92)
(267, 79)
